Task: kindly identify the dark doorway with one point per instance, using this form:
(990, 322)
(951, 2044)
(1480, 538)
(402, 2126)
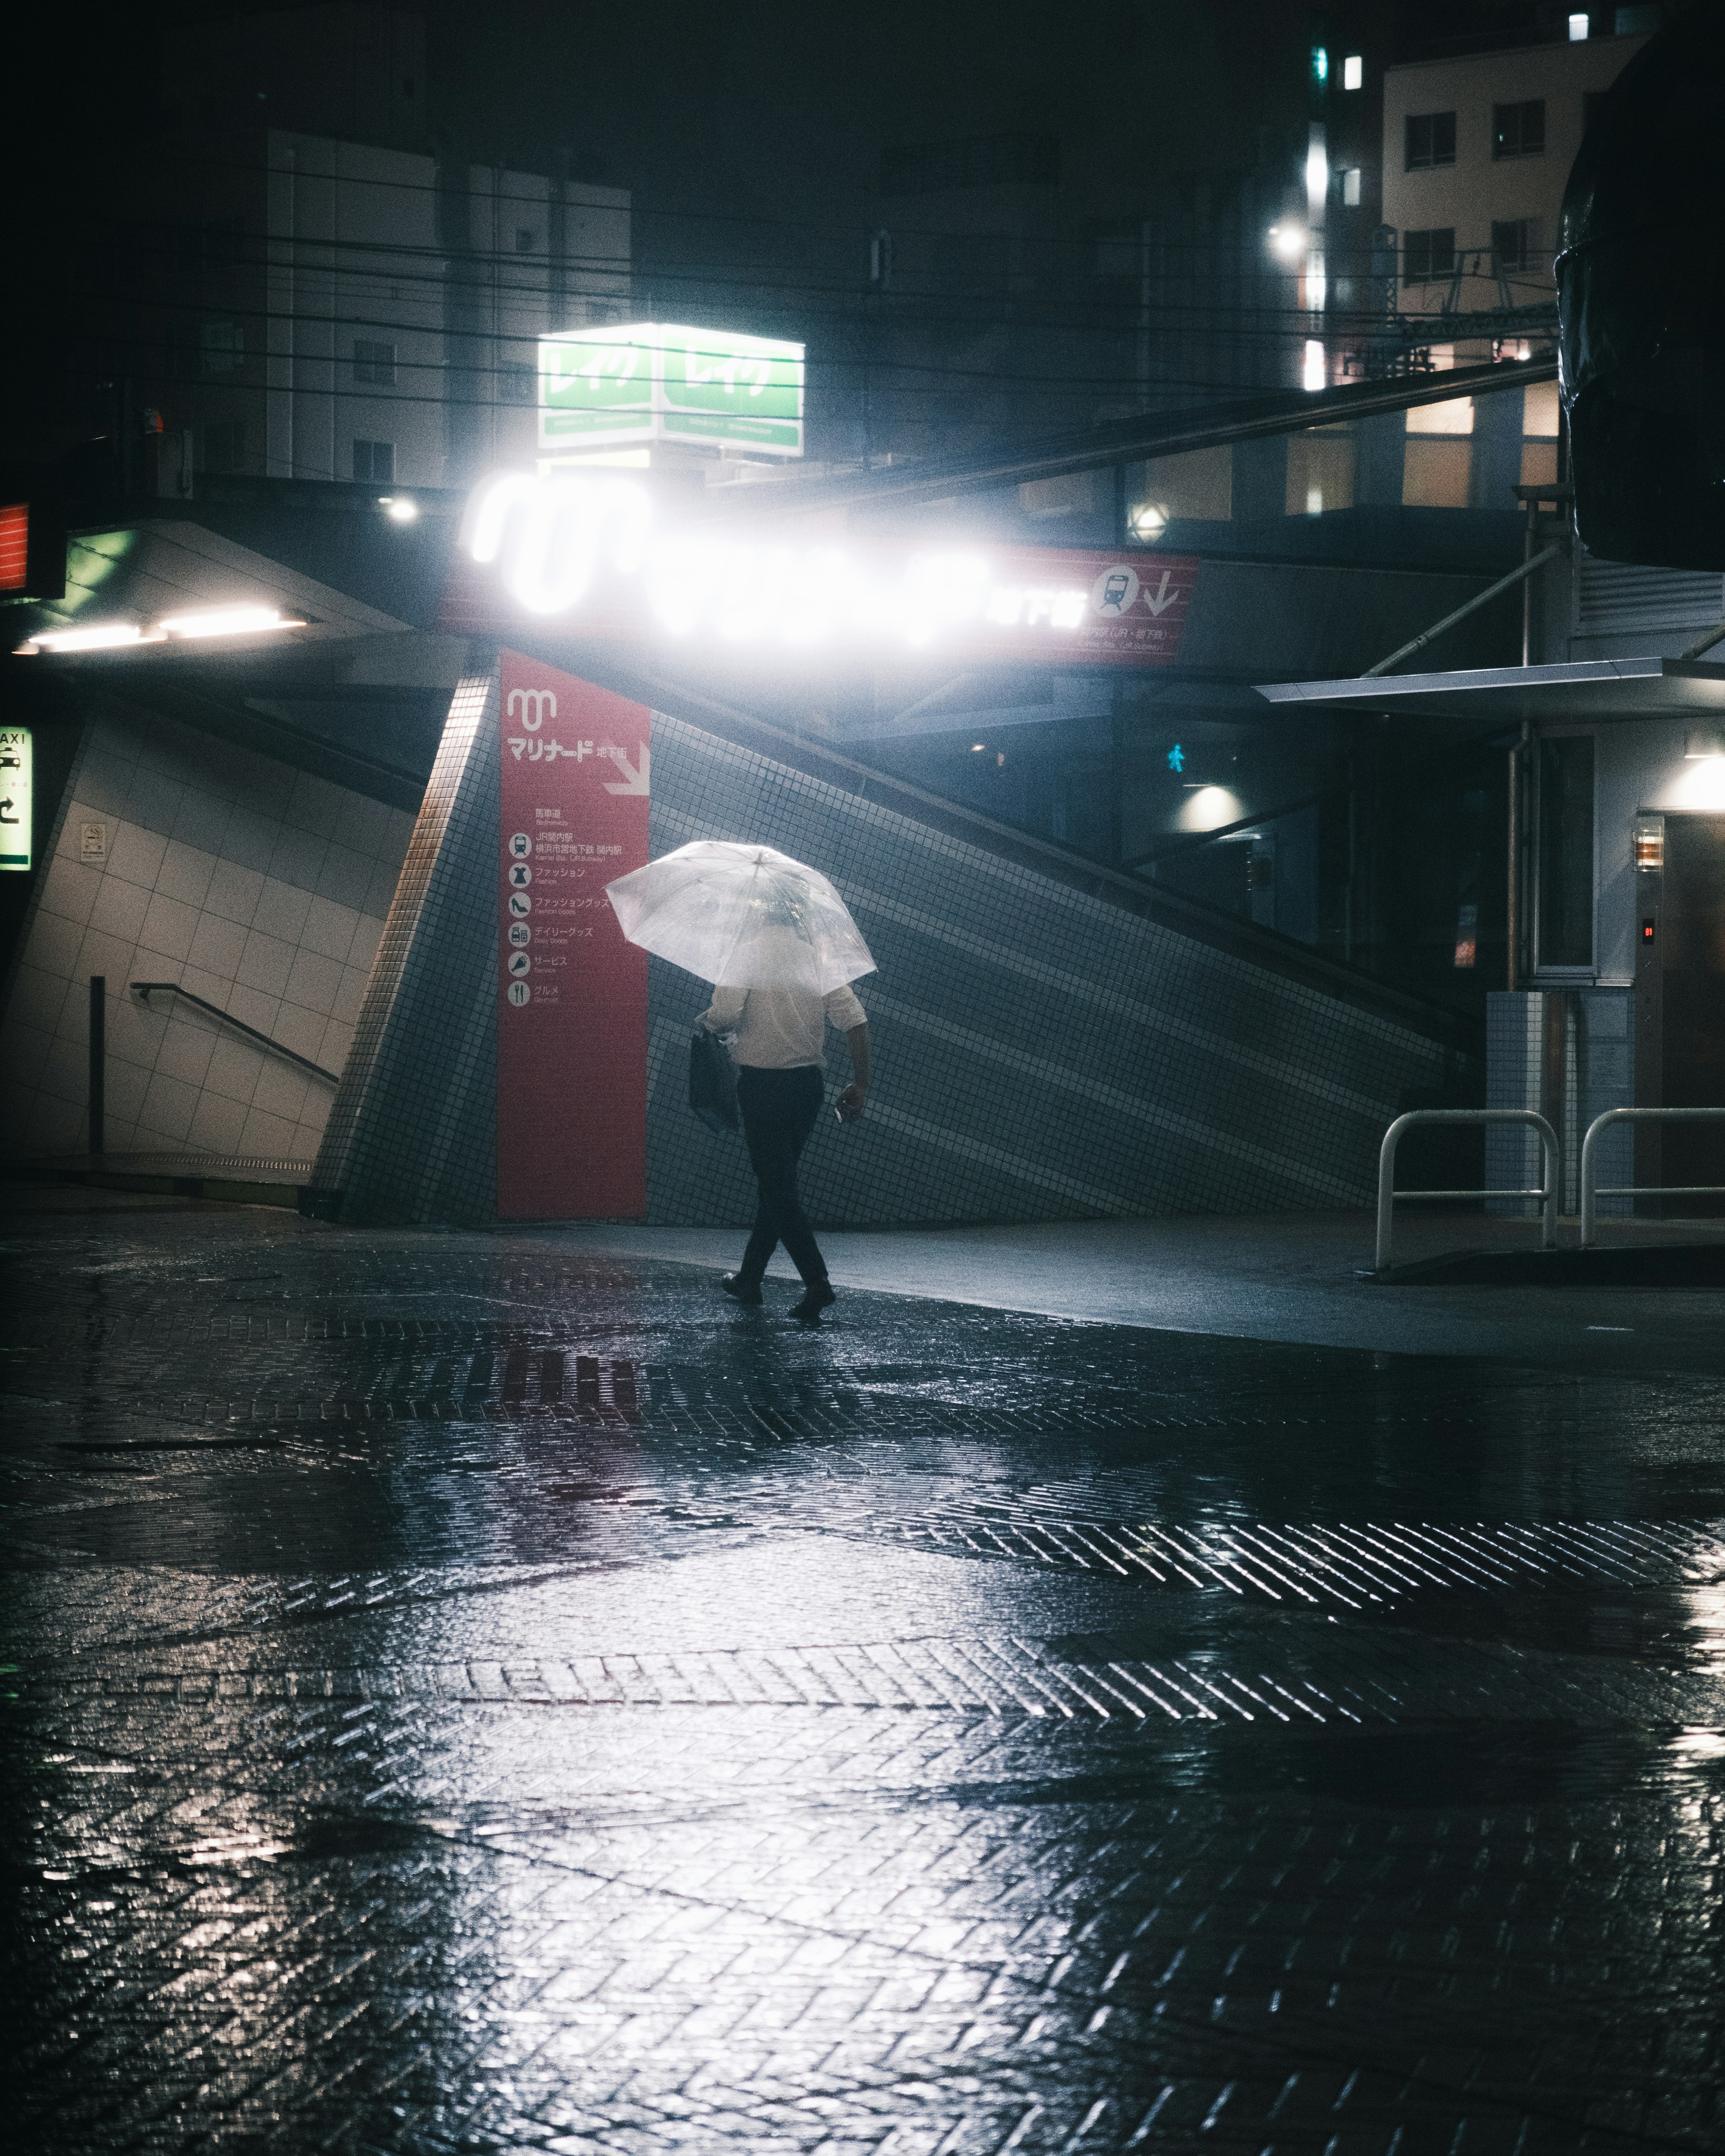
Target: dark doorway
(1691, 939)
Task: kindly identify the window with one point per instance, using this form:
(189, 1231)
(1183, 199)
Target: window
(1454, 416)
(1350, 187)
(1578, 28)
(1428, 254)
(374, 363)
(1540, 420)
(1199, 484)
(1321, 471)
(1566, 851)
(374, 462)
(1637, 21)
(1518, 130)
(1353, 71)
(224, 445)
(514, 381)
(1437, 461)
(1515, 246)
(221, 347)
(1431, 140)
(524, 239)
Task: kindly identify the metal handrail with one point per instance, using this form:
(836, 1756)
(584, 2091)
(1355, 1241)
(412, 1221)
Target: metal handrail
(1387, 1194)
(1590, 1164)
(147, 989)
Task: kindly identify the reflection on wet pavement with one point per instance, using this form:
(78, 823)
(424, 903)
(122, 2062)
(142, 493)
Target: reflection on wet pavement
(470, 1694)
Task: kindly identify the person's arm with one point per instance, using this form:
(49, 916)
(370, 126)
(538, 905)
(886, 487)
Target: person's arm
(854, 1098)
(723, 1013)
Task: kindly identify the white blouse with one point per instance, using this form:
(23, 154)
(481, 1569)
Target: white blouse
(781, 1029)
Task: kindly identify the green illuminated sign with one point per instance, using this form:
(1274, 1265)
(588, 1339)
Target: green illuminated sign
(15, 774)
(657, 382)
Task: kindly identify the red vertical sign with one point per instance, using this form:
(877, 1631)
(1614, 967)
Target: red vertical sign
(571, 994)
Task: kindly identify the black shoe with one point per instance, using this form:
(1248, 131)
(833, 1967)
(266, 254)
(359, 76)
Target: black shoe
(815, 1299)
(739, 1289)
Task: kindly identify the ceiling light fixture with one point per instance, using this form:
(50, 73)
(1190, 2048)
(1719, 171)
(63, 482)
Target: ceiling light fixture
(229, 621)
(97, 636)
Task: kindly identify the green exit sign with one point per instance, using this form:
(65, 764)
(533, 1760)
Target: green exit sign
(16, 771)
(659, 382)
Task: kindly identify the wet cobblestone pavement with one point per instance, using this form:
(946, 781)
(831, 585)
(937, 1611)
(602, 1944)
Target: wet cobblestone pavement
(466, 1693)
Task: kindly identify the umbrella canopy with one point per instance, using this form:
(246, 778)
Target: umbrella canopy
(742, 918)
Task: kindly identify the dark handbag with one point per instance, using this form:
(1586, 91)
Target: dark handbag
(712, 1082)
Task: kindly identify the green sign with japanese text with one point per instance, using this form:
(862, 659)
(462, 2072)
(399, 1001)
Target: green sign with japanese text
(660, 382)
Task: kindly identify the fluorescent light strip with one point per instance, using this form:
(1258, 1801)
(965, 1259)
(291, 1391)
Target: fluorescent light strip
(97, 636)
(227, 621)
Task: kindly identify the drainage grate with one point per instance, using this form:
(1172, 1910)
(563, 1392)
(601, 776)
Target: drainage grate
(1354, 1566)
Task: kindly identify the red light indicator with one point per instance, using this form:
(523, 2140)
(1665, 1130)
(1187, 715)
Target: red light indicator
(1646, 932)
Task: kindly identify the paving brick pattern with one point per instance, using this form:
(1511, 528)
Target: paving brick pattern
(468, 1695)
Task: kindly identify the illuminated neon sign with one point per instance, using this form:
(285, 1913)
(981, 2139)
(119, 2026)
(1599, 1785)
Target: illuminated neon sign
(588, 553)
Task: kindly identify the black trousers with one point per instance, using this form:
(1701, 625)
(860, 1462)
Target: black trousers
(779, 1109)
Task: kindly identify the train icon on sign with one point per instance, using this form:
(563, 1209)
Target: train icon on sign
(521, 845)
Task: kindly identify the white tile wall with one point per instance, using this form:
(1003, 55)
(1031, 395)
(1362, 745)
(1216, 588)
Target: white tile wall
(260, 888)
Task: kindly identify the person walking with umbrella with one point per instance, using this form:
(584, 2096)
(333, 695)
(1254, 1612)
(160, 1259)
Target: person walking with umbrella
(779, 945)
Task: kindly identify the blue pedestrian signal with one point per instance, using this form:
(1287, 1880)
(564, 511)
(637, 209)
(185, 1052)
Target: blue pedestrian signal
(1177, 758)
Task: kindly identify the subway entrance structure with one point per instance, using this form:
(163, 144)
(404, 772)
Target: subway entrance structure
(1126, 987)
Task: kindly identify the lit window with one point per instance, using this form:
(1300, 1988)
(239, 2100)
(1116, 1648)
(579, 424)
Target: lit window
(374, 362)
(1314, 372)
(1321, 471)
(1430, 140)
(1353, 71)
(1453, 416)
(1350, 187)
(1540, 410)
(1578, 29)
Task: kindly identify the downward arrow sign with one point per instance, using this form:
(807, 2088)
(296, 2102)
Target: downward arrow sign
(635, 781)
(1164, 598)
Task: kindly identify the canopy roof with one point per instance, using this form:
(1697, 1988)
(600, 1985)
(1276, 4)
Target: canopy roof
(1651, 688)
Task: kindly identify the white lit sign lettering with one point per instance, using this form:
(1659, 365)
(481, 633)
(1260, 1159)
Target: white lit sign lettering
(561, 545)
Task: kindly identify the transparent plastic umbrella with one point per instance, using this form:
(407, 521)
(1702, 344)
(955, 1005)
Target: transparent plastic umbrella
(742, 918)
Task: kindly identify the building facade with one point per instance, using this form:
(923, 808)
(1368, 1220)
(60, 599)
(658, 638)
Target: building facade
(1477, 148)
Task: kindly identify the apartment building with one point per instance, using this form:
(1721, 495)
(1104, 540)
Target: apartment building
(307, 290)
(1477, 149)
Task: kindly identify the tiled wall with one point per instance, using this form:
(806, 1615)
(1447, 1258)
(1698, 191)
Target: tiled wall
(1041, 1053)
(258, 887)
